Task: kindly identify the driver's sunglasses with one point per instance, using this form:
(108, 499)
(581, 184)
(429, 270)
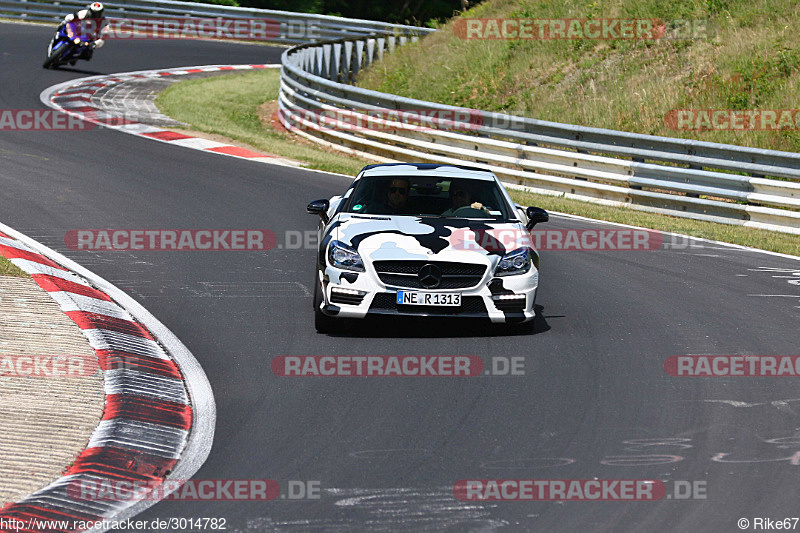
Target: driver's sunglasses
(401, 190)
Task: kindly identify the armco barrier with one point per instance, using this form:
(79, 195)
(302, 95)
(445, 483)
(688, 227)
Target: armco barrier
(674, 176)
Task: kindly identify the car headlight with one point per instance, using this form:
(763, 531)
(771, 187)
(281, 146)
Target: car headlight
(514, 263)
(345, 257)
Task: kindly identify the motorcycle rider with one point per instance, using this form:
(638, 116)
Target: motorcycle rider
(87, 22)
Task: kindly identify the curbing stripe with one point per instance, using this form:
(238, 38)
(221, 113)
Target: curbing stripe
(86, 320)
(198, 144)
(144, 436)
(77, 302)
(148, 409)
(38, 269)
(102, 339)
(237, 151)
(42, 271)
(167, 135)
(6, 241)
(11, 252)
(111, 360)
(56, 284)
(100, 460)
(140, 382)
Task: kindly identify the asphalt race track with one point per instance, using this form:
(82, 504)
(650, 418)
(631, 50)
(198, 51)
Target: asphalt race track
(595, 401)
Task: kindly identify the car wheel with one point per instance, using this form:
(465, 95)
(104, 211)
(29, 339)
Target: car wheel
(322, 322)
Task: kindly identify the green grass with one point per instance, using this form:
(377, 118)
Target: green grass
(748, 57)
(229, 105)
(7, 268)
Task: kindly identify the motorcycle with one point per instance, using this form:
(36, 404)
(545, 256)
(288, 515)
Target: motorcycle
(63, 50)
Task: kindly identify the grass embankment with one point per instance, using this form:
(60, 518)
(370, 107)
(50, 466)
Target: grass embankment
(747, 57)
(7, 268)
(238, 106)
(242, 108)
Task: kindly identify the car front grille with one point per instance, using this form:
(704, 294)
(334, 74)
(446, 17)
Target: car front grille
(405, 274)
(387, 301)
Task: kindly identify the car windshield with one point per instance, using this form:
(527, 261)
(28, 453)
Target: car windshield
(428, 196)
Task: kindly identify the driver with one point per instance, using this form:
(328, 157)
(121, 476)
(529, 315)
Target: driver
(89, 22)
(460, 197)
(396, 198)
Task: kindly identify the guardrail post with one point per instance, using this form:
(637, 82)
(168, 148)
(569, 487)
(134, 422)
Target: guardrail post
(636, 160)
(691, 194)
(348, 61)
(359, 58)
(336, 75)
(370, 51)
(381, 42)
(327, 71)
(318, 61)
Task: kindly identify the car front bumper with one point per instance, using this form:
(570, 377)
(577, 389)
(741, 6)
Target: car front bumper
(508, 299)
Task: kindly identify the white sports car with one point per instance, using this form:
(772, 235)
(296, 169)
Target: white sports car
(425, 240)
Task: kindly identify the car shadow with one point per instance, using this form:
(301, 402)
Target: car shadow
(425, 327)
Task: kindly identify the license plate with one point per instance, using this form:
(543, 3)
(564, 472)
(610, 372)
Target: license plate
(438, 299)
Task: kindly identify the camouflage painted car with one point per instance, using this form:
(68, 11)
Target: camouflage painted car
(425, 240)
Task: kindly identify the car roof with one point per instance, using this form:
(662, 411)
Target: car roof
(426, 169)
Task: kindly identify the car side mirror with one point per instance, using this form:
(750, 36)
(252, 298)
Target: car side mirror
(536, 215)
(319, 207)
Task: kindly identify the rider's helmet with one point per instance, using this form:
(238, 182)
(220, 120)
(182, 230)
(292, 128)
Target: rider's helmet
(95, 10)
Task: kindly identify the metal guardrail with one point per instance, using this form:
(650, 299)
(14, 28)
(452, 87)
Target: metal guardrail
(294, 27)
(679, 177)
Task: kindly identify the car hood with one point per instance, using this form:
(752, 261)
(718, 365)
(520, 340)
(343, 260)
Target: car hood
(379, 238)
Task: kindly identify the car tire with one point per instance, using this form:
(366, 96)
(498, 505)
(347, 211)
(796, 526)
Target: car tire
(322, 322)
